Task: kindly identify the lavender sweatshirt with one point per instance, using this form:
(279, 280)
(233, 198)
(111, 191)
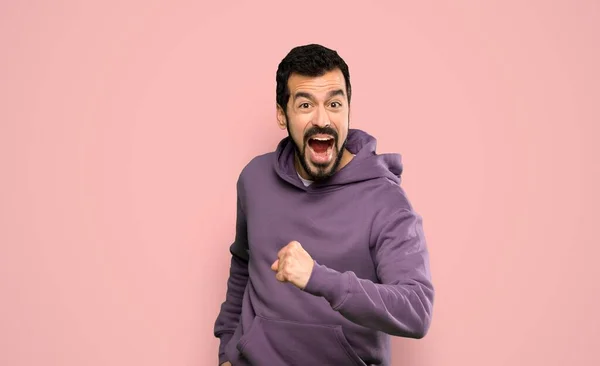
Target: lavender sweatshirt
(371, 278)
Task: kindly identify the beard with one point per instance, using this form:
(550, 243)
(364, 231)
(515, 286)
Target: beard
(318, 172)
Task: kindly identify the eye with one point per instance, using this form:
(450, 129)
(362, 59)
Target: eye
(304, 105)
(336, 104)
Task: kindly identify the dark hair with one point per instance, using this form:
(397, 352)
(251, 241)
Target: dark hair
(308, 60)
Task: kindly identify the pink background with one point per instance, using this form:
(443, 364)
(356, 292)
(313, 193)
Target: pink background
(123, 127)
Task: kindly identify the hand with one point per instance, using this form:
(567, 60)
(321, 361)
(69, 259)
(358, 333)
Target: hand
(293, 265)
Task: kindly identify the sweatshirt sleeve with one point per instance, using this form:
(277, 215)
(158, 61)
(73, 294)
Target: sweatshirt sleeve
(231, 309)
(401, 303)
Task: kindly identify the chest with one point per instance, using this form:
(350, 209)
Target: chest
(334, 228)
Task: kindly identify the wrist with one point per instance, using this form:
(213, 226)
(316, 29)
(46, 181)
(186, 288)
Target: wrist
(328, 283)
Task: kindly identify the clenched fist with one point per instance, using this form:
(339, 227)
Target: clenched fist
(293, 265)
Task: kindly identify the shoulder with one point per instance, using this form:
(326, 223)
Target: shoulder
(257, 166)
(389, 196)
(254, 173)
(250, 175)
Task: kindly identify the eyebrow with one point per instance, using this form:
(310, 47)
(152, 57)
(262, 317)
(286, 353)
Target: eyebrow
(311, 97)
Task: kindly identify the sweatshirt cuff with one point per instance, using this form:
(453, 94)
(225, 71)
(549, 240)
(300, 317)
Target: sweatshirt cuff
(328, 283)
(224, 339)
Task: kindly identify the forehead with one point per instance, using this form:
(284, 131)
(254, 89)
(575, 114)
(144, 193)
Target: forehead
(330, 80)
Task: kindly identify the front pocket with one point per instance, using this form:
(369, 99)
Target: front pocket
(271, 342)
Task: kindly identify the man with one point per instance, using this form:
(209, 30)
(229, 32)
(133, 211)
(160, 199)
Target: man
(329, 258)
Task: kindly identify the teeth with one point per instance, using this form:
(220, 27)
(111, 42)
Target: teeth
(322, 138)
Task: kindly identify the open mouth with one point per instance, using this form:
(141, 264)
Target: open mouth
(321, 148)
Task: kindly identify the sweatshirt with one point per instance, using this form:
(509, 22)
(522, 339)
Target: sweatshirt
(371, 278)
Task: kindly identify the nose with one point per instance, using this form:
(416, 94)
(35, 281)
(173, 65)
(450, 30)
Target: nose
(321, 117)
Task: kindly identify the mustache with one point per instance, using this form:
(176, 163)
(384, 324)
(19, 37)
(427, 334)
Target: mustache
(313, 131)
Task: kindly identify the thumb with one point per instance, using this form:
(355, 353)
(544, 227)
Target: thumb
(275, 265)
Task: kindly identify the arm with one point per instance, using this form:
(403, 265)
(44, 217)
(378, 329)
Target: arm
(402, 303)
(228, 318)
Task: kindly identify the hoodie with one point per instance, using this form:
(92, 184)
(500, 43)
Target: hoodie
(371, 277)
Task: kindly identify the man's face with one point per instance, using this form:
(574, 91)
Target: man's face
(317, 121)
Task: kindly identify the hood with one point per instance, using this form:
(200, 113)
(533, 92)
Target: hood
(365, 165)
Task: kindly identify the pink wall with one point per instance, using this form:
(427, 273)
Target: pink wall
(123, 128)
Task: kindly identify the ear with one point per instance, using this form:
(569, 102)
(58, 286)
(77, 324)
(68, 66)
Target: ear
(281, 121)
